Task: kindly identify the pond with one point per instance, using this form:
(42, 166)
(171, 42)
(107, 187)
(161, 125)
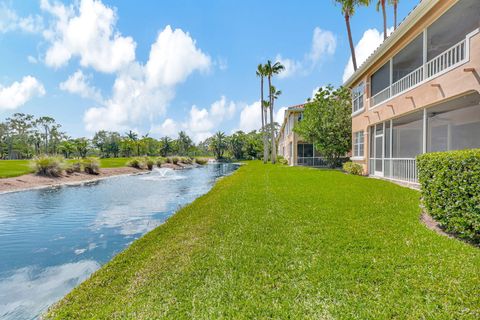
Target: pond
(53, 239)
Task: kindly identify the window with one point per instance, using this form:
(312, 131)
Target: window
(408, 59)
(454, 125)
(407, 135)
(357, 97)
(452, 27)
(300, 117)
(380, 79)
(358, 145)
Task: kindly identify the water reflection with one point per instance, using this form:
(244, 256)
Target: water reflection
(52, 239)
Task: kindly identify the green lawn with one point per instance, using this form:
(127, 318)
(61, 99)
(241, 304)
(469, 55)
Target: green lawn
(14, 168)
(288, 243)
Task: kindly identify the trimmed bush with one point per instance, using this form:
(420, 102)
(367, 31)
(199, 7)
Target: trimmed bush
(353, 168)
(49, 166)
(450, 184)
(160, 161)
(281, 160)
(73, 167)
(136, 163)
(149, 163)
(185, 160)
(201, 161)
(91, 165)
(174, 160)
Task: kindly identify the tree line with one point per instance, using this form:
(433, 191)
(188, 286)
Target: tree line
(22, 136)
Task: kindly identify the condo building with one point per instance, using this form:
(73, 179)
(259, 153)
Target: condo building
(419, 91)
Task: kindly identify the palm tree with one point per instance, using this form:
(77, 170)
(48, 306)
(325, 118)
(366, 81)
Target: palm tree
(384, 13)
(395, 7)
(261, 73)
(219, 144)
(271, 70)
(348, 9)
(165, 146)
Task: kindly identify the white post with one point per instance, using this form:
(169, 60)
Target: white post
(391, 77)
(425, 51)
(424, 149)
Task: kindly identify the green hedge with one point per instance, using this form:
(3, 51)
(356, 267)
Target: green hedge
(450, 184)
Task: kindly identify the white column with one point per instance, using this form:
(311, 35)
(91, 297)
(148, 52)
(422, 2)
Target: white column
(424, 136)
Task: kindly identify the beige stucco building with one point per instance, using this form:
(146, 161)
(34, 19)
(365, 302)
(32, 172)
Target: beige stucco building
(292, 146)
(419, 91)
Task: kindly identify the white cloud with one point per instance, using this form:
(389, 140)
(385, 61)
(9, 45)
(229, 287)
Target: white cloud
(18, 93)
(169, 127)
(10, 21)
(201, 122)
(32, 59)
(31, 290)
(143, 92)
(280, 115)
(86, 30)
(370, 41)
(173, 57)
(250, 117)
(324, 43)
(79, 84)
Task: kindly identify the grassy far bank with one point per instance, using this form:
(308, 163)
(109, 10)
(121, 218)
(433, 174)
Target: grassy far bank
(281, 242)
(14, 168)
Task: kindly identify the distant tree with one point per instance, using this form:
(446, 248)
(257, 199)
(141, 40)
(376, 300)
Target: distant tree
(253, 145)
(271, 71)
(395, 9)
(327, 123)
(166, 146)
(348, 9)
(236, 144)
(67, 148)
(134, 140)
(219, 144)
(262, 73)
(101, 140)
(381, 4)
(81, 146)
(46, 123)
(184, 143)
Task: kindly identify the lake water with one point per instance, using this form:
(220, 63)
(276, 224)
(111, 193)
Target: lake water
(53, 239)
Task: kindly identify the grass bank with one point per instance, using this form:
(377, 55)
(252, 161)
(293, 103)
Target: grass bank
(281, 242)
(14, 168)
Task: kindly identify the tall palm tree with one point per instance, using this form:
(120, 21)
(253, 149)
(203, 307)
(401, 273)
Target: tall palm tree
(261, 73)
(272, 70)
(381, 3)
(394, 3)
(348, 9)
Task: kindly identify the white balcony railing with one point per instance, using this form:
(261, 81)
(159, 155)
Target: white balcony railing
(401, 169)
(408, 81)
(447, 59)
(450, 58)
(380, 97)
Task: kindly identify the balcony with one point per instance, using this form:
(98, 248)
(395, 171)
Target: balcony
(444, 62)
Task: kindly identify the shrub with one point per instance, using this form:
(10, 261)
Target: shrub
(50, 166)
(136, 163)
(174, 160)
(73, 167)
(353, 168)
(201, 161)
(450, 187)
(281, 160)
(149, 163)
(91, 165)
(160, 161)
(185, 160)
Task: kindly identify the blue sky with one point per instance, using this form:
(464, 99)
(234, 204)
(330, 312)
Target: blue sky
(117, 65)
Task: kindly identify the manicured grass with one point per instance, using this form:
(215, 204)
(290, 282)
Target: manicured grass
(14, 168)
(288, 243)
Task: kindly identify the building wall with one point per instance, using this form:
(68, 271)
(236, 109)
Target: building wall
(287, 138)
(454, 83)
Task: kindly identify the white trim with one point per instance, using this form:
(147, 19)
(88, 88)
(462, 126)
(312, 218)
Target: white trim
(418, 13)
(425, 80)
(356, 113)
(357, 158)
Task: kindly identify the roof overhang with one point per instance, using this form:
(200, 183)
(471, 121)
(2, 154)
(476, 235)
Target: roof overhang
(415, 15)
